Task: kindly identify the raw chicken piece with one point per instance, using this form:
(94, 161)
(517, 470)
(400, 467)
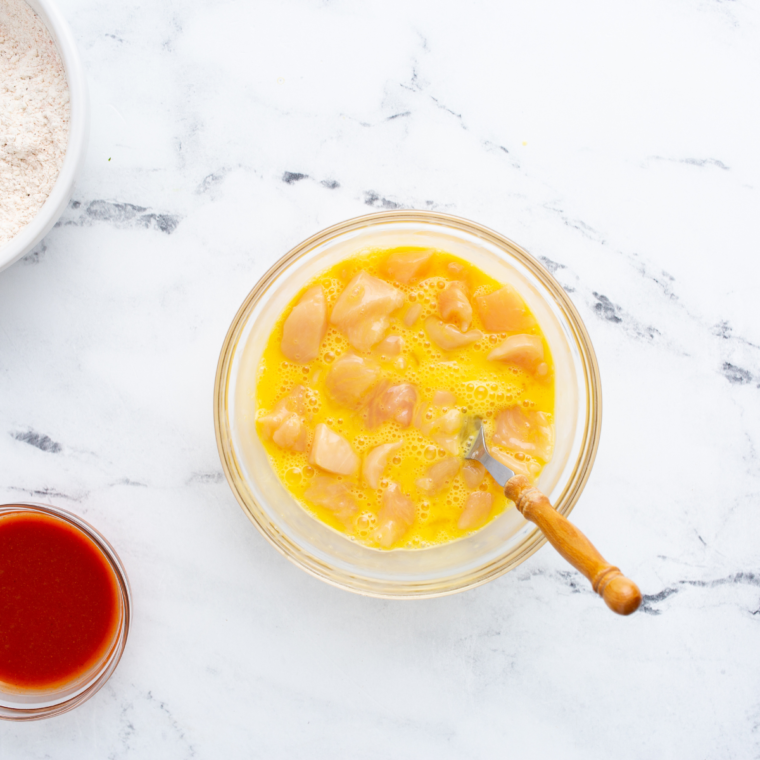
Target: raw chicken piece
(473, 473)
(444, 398)
(332, 452)
(363, 310)
(305, 327)
(528, 467)
(393, 345)
(445, 430)
(455, 268)
(376, 461)
(449, 443)
(504, 311)
(476, 510)
(412, 314)
(292, 434)
(439, 475)
(350, 380)
(293, 403)
(405, 265)
(526, 351)
(529, 432)
(392, 402)
(449, 337)
(454, 306)
(449, 422)
(419, 418)
(395, 517)
(327, 491)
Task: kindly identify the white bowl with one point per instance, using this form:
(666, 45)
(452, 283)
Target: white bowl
(79, 127)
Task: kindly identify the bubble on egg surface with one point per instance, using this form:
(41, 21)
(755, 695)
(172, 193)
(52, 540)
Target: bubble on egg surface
(480, 389)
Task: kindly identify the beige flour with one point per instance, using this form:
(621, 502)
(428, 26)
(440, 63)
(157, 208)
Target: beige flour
(34, 116)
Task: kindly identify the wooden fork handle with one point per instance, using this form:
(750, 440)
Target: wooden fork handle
(621, 594)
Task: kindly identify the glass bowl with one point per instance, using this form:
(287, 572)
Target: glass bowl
(507, 540)
(76, 148)
(33, 704)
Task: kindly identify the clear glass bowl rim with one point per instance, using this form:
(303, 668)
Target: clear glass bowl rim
(578, 478)
(99, 678)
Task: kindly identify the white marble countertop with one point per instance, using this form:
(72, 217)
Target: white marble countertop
(618, 143)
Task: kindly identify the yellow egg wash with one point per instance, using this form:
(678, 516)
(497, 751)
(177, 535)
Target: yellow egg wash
(480, 387)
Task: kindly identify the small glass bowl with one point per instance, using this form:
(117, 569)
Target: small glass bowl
(507, 540)
(36, 704)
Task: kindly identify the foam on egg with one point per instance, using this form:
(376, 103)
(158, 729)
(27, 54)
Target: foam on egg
(482, 389)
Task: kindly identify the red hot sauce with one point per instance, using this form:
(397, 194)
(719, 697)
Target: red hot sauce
(59, 602)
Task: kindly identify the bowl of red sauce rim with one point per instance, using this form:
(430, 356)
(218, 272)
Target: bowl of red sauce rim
(65, 611)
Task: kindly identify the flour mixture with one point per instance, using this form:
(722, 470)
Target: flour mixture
(34, 116)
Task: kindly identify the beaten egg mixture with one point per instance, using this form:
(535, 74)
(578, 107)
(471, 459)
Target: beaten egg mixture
(369, 383)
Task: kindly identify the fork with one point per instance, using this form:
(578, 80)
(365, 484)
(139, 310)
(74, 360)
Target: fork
(621, 594)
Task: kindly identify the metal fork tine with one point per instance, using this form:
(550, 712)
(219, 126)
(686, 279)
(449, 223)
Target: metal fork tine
(479, 452)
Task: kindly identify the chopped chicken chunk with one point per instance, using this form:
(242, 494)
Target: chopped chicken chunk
(454, 306)
(292, 434)
(473, 473)
(350, 380)
(445, 430)
(391, 346)
(392, 402)
(412, 314)
(528, 432)
(332, 452)
(291, 405)
(439, 475)
(329, 492)
(526, 351)
(376, 461)
(444, 398)
(504, 311)
(305, 327)
(419, 418)
(403, 266)
(476, 510)
(395, 517)
(449, 337)
(362, 312)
